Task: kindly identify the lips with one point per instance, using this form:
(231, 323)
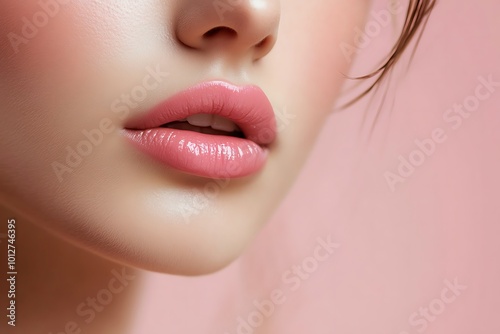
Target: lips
(214, 130)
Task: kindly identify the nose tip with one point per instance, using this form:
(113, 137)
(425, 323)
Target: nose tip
(241, 26)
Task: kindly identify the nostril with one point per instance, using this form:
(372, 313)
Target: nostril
(264, 42)
(220, 31)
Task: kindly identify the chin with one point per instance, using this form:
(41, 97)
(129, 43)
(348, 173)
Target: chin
(160, 235)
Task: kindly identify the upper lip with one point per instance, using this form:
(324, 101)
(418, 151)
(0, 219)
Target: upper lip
(247, 106)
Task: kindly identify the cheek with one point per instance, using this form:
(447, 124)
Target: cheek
(48, 44)
(307, 66)
(37, 56)
(46, 65)
(54, 60)
(36, 43)
(43, 61)
(313, 36)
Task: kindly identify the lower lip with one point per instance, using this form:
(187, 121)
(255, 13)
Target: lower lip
(200, 154)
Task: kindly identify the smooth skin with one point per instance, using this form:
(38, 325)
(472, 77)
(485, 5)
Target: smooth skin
(66, 78)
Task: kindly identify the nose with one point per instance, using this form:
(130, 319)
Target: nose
(237, 26)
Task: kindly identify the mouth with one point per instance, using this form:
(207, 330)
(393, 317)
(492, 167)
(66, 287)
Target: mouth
(208, 124)
(214, 130)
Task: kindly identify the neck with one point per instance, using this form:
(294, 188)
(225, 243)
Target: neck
(59, 288)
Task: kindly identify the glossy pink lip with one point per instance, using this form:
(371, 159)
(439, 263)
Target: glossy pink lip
(207, 155)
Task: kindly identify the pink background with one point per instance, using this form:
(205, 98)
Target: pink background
(396, 248)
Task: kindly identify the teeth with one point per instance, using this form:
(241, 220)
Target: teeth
(214, 121)
(200, 120)
(223, 124)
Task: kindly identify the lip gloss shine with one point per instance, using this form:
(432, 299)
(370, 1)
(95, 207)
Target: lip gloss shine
(208, 155)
